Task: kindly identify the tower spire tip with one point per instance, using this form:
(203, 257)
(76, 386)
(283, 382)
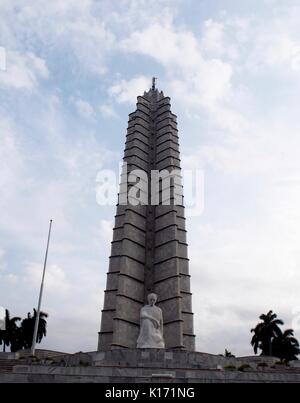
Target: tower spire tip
(153, 83)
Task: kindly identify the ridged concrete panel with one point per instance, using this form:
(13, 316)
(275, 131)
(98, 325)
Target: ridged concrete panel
(149, 249)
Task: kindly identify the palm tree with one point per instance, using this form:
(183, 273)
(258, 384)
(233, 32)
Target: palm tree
(11, 334)
(228, 354)
(286, 346)
(27, 327)
(265, 332)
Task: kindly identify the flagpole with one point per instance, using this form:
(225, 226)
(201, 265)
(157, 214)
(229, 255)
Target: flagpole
(37, 319)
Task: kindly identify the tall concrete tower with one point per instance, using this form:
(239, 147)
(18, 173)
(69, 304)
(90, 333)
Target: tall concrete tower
(149, 249)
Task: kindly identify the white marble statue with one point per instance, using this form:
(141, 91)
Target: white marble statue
(2, 318)
(151, 325)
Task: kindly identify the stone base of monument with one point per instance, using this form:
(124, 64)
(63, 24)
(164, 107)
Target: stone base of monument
(152, 366)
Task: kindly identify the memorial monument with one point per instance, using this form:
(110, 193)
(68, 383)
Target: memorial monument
(146, 330)
(149, 248)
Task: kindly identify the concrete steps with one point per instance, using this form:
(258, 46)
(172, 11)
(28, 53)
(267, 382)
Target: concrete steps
(7, 365)
(9, 360)
(148, 373)
(37, 374)
(149, 366)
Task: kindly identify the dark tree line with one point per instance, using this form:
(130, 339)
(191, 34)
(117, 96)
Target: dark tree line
(272, 341)
(18, 333)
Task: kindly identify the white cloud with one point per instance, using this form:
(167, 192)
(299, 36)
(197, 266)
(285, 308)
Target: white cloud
(127, 91)
(207, 86)
(55, 278)
(6, 278)
(177, 49)
(194, 81)
(11, 158)
(83, 108)
(278, 51)
(254, 43)
(2, 263)
(108, 111)
(2, 58)
(71, 25)
(86, 39)
(23, 71)
(250, 268)
(213, 37)
(46, 173)
(106, 229)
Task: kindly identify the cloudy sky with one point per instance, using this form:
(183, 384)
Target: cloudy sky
(70, 72)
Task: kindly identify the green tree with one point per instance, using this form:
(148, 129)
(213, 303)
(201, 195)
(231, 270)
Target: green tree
(228, 354)
(27, 328)
(11, 335)
(265, 332)
(286, 346)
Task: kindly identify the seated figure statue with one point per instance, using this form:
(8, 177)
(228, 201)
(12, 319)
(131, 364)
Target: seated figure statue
(2, 318)
(151, 325)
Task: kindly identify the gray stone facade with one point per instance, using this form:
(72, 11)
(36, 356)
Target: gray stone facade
(149, 249)
(152, 366)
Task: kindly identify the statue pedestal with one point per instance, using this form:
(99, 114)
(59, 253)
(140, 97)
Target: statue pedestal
(152, 366)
